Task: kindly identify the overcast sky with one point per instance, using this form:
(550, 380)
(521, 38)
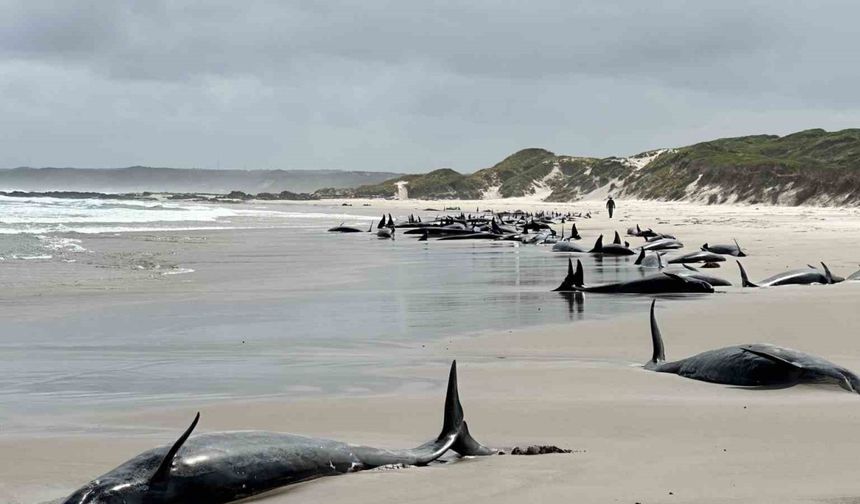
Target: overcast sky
(410, 85)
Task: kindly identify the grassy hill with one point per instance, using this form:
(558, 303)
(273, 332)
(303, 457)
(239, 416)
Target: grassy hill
(808, 167)
(811, 166)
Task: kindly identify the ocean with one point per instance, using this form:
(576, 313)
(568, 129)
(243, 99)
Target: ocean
(117, 304)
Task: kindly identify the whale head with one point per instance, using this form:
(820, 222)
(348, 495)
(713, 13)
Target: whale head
(692, 284)
(113, 491)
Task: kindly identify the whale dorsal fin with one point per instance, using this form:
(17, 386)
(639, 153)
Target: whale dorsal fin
(617, 239)
(745, 281)
(161, 475)
(738, 245)
(762, 352)
(641, 256)
(598, 245)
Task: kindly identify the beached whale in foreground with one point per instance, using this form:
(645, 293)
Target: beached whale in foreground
(221, 467)
(801, 276)
(757, 364)
(660, 283)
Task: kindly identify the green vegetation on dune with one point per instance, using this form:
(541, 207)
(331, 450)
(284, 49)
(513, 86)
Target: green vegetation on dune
(517, 173)
(812, 166)
(808, 166)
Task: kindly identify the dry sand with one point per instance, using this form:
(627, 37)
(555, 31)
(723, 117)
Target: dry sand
(638, 436)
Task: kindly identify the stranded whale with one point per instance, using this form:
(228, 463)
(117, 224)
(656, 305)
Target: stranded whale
(221, 467)
(751, 365)
(732, 250)
(611, 249)
(659, 283)
(801, 276)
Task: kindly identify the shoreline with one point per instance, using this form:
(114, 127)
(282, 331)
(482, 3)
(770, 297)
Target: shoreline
(576, 384)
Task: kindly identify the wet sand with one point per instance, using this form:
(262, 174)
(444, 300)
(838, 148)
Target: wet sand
(638, 436)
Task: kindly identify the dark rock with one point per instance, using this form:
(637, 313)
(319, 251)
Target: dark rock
(538, 450)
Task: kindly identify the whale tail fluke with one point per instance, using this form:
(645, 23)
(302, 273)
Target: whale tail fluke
(598, 245)
(827, 274)
(574, 278)
(659, 354)
(567, 283)
(578, 275)
(455, 424)
(745, 281)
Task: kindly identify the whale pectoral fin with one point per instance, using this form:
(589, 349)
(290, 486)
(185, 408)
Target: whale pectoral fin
(771, 356)
(690, 267)
(161, 475)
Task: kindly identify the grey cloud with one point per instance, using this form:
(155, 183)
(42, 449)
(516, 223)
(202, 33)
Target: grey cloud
(400, 85)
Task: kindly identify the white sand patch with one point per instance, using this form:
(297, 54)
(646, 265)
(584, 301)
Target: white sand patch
(613, 188)
(492, 192)
(402, 192)
(693, 186)
(643, 159)
(541, 189)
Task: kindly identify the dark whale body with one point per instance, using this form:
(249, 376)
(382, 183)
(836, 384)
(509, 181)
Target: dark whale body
(345, 229)
(694, 273)
(697, 256)
(660, 283)
(753, 365)
(222, 467)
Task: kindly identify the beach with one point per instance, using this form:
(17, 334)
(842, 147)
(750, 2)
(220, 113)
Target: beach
(549, 378)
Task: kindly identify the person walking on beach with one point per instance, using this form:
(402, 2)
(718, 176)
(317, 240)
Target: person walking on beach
(610, 205)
